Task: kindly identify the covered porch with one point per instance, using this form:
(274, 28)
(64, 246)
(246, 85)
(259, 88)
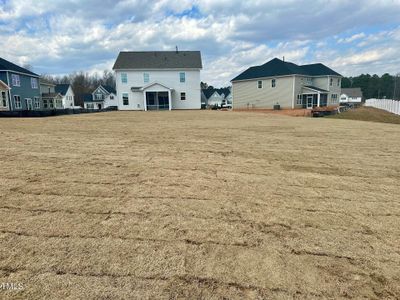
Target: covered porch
(157, 97)
(314, 97)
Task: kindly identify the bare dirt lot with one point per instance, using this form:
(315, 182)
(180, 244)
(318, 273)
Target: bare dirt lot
(199, 205)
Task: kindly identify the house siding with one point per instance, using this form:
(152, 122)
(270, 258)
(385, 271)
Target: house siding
(24, 90)
(246, 94)
(169, 78)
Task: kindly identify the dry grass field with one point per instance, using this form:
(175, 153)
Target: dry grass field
(199, 205)
(368, 114)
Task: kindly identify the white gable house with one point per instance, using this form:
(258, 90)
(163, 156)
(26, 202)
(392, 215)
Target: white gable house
(160, 80)
(107, 95)
(65, 90)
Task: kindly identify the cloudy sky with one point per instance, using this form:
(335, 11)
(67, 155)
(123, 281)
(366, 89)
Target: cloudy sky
(59, 37)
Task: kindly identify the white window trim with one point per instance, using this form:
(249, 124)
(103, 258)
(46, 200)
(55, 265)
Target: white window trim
(182, 79)
(36, 100)
(15, 102)
(17, 82)
(258, 84)
(273, 83)
(34, 80)
(124, 76)
(127, 96)
(146, 77)
(184, 96)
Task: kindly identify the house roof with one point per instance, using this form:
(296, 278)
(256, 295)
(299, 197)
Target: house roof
(315, 88)
(158, 60)
(352, 92)
(87, 98)
(62, 88)
(44, 81)
(50, 95)
(5, 65)
(210, 91)
(4, 85)
(277, 67)
(109, 89)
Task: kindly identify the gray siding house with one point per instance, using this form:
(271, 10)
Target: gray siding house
(24, 92)
(287, 84)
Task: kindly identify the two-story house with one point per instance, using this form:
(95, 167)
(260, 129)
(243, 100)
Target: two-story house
(50, 99)
(4, 101)
(23, 92)
(158, 80)
(67, 94)
(212, 97)
(286, 84)
(102, 97)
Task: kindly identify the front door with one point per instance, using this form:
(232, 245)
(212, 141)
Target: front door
(29, 105)
(310, 101)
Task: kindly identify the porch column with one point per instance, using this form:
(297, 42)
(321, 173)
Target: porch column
(169, 100)
(144, 101)
(319, 99)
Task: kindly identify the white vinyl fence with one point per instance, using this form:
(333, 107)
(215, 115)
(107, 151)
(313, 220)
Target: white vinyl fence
(389, 105)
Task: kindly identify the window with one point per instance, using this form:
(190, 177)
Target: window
(334, 98)
(124, 78)
(338, 82)
(17, 102)
(90, 106)
(59, 103)
(183, 96)
(51, 103)
(182, 76)
(125, 99)
(45, 103)
(111, 97)
(259, 84)
(37, 102)
(146, 77)
(299, 99)
(273, 83)
(99, 97)
(15, 80)
(3, 99)
(34, 83)
(331, 81)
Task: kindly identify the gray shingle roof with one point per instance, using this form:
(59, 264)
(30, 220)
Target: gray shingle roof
(62, 88)
(158, 60)
(109, 89)
(353, 92)
(277, 67)
(315, 88)
(6, 65)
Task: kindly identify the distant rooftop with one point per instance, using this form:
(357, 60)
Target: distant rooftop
(277, 67)
(158, 60)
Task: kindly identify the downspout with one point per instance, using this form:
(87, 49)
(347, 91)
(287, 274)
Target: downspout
(294, 79)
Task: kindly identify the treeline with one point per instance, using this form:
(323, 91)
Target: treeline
(374, 86)
(83, 83)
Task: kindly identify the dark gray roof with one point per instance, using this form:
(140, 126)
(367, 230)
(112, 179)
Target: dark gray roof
(109, 89)
(277, 67)
(6, 65)
(315, 88)
(62, 88)
(353, 92)
(159, 60)
(210, 91)
(87, 98)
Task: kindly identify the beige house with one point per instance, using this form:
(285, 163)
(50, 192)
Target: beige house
(287, 84)
(4, 88)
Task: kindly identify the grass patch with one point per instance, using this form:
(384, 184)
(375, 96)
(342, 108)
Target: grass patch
(199, 205)
(368, 114)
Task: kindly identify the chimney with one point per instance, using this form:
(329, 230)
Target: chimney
(283, 58)
(176, 49)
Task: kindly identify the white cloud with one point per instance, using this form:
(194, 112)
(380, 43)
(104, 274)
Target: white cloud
(61, 37)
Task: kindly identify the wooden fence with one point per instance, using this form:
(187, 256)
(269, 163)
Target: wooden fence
(389, 105)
